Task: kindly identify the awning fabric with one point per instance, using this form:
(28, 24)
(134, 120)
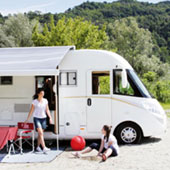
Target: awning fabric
(32, 60)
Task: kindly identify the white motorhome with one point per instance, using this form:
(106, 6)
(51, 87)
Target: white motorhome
(85, 89)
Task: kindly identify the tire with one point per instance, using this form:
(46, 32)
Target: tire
(128, 133)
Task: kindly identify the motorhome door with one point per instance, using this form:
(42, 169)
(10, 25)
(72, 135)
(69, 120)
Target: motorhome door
(98, 99)
(47, 83)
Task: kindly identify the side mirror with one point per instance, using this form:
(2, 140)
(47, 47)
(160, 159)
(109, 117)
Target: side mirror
(124, 79)
(54, 88)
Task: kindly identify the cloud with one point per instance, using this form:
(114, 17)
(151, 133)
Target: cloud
(40, 7)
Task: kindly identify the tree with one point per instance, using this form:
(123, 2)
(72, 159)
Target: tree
(133, 43)
(154, 17)
(77, 31)
(6, 41)
(17, 32)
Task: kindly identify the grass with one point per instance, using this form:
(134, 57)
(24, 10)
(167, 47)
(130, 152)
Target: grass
(168, 114)
(166, 106)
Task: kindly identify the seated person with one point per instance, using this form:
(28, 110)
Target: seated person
(107, 148)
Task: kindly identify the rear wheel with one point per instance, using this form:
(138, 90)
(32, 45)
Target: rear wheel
(128, 133)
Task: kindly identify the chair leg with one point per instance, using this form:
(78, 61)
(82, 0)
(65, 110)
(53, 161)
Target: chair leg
(13, 148)
(33, 142)
(7, 146)
(20, 143)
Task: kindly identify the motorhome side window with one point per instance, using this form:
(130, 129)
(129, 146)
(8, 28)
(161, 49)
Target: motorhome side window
(130, 90)
(68, 78)
(6, 80)
(101, 82)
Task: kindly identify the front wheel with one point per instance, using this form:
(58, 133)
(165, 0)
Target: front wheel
(128, 133)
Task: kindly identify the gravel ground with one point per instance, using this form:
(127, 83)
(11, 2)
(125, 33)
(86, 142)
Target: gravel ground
(152, 154)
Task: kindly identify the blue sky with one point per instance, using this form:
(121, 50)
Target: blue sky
(53, 6)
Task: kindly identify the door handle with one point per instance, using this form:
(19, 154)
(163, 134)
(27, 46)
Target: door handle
(89, 102)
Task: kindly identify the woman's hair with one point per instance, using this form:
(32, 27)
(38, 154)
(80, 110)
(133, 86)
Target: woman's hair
(108, 130)
(37, 92)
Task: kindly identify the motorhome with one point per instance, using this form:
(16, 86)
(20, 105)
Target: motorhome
(86, 89)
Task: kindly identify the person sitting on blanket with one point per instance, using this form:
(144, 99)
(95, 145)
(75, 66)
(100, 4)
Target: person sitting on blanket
(107, 148)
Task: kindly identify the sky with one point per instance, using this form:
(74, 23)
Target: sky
(53, 6)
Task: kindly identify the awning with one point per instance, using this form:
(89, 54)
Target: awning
(32, 60)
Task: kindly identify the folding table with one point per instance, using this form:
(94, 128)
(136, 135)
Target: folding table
(8, 134)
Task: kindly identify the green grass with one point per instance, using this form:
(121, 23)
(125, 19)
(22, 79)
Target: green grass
(166, 106)
(168, 114)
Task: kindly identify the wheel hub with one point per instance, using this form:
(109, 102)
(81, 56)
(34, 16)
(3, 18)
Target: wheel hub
(128, 135)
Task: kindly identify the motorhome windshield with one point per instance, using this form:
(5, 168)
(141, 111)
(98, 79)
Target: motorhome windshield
(138, 83)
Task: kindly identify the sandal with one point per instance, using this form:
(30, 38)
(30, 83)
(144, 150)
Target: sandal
(104, 157)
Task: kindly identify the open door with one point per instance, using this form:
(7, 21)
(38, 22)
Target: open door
(51, 91)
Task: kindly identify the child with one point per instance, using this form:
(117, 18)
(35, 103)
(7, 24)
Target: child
(108, 146)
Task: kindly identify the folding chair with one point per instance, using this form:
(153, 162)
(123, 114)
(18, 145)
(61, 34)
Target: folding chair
(25, 133)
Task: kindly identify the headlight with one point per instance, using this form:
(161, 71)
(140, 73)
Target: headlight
(152, 108)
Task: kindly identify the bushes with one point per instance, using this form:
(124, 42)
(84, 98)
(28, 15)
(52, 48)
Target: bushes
(160, 89)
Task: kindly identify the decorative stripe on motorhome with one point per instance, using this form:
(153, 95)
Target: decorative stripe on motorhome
(104, 97)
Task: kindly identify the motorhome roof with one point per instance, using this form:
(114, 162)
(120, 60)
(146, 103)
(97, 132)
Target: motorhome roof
(44, 60)
(111, 56)
(32, 60)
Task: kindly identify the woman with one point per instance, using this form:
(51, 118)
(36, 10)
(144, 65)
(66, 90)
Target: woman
(39, 109)
(108, 146)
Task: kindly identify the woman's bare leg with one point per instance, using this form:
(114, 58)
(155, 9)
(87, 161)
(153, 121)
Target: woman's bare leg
(87, 150)
(108, 152)
(41, 137)
(78, 154)
(38, 141)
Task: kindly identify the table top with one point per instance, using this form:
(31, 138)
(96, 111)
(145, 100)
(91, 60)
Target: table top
(6, 134)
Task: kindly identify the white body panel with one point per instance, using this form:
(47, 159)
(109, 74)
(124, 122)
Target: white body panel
(87, 121)
(20, 92)
(115, 108)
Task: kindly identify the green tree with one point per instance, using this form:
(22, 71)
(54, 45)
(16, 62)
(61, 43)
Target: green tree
(133, 43)
(6, 41)
(17, 31)
(77, 31)
(159, 88)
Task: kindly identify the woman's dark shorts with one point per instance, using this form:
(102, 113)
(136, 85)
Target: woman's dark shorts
(97, 147)
(40, 123)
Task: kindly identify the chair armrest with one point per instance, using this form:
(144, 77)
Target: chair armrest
(25, 131)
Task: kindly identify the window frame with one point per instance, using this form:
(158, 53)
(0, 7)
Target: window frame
(137, 92)
(141, 92)
(6, 84)
(110, 82)
(67, 78)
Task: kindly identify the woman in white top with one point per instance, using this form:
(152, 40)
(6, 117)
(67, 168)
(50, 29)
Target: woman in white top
(108, 146)
(39, 109)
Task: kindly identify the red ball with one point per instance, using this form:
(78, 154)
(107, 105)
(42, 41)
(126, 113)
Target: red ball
(78, 143)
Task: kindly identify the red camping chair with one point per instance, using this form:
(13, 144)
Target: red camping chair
(25, 133)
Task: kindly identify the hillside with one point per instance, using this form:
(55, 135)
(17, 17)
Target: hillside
(154, 17)
(138, 31)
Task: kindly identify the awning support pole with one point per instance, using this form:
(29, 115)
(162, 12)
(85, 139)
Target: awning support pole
(56, 113)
